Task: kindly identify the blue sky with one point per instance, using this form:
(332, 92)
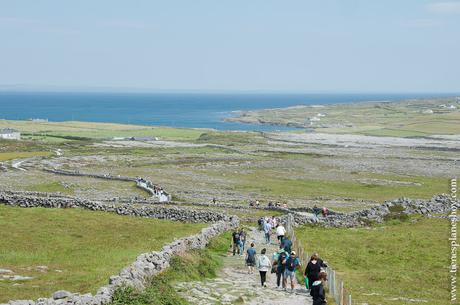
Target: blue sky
(307, 46)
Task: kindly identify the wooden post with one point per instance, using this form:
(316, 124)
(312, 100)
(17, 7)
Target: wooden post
(342, 297)
(349, 299)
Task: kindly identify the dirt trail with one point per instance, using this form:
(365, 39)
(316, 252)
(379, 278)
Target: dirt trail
(235, 286)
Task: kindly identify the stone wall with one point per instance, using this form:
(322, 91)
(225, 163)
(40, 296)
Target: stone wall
(147, 265)
(138, 274)
(143, 185)
(439, 204)
(26, 200)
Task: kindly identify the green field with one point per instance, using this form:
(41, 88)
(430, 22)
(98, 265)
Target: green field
(72, 130)
(407, 118)
(79, 248)
(5, 156)
(269, 182)
(382, 264)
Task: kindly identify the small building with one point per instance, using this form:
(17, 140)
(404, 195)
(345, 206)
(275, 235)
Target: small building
(10, 134)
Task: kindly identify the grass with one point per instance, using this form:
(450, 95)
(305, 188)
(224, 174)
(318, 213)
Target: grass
(398, 118)
(80, 248)
(51, 187)
(272, 184)
(5, 156)
(395, 260)
(192, 266)
(72, 130)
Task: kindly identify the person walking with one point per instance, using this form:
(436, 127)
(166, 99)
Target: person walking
(286, 244)
(279, 259)
(251, 259)
(312, 270)
(317, 290)
(322, 263)
(242, 241)
(236, 242)
(264, 265)
(280, 232)
(292, 264)
(267, 231)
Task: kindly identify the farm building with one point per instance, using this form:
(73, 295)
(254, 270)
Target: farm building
(10, 134)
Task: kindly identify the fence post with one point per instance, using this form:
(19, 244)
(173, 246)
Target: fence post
(349, 299)
(342, 297)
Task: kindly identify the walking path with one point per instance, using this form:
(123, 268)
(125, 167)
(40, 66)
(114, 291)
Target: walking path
(235, 286)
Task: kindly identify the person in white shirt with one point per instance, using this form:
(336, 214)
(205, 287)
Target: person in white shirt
(280, 232)
(264, 265)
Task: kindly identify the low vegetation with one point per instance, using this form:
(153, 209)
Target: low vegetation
(5, 156)
(74, 249)
(408, 118)
(191, 266)
(390, 263)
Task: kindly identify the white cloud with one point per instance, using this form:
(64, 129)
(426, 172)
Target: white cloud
(444, 7)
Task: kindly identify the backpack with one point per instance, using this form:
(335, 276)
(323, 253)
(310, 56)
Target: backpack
(291, 264)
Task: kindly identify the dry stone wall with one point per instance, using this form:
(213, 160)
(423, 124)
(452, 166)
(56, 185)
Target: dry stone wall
(146, 266)
(140, 183)
(27, 200)
(439, 204)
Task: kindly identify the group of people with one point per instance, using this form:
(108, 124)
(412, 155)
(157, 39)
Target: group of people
(238, 242)
(284, 262)
(269, 205)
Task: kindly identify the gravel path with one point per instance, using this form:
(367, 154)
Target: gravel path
(235, 286)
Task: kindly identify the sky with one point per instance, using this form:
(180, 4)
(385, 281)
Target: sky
(248, 45)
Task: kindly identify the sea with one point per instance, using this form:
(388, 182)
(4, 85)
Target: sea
(188, 110)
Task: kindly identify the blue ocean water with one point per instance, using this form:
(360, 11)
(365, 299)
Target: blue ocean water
(164, 109)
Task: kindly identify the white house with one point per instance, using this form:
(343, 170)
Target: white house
(10, 134)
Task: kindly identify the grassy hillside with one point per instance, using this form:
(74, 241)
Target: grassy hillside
(75, 250)
(387, 263)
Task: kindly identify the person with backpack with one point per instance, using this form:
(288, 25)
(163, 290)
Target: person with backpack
(313, 269)
(317, 290)
(286, 243)
(236, 242)
(279, 260)
(251, 259)
(292, 264)
(264, 265)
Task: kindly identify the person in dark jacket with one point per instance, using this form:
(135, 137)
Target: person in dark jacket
(317, 290)
(313, 269)
(322, 264)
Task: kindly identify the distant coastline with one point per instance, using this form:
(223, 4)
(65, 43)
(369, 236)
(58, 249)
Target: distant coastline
(186, 110)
